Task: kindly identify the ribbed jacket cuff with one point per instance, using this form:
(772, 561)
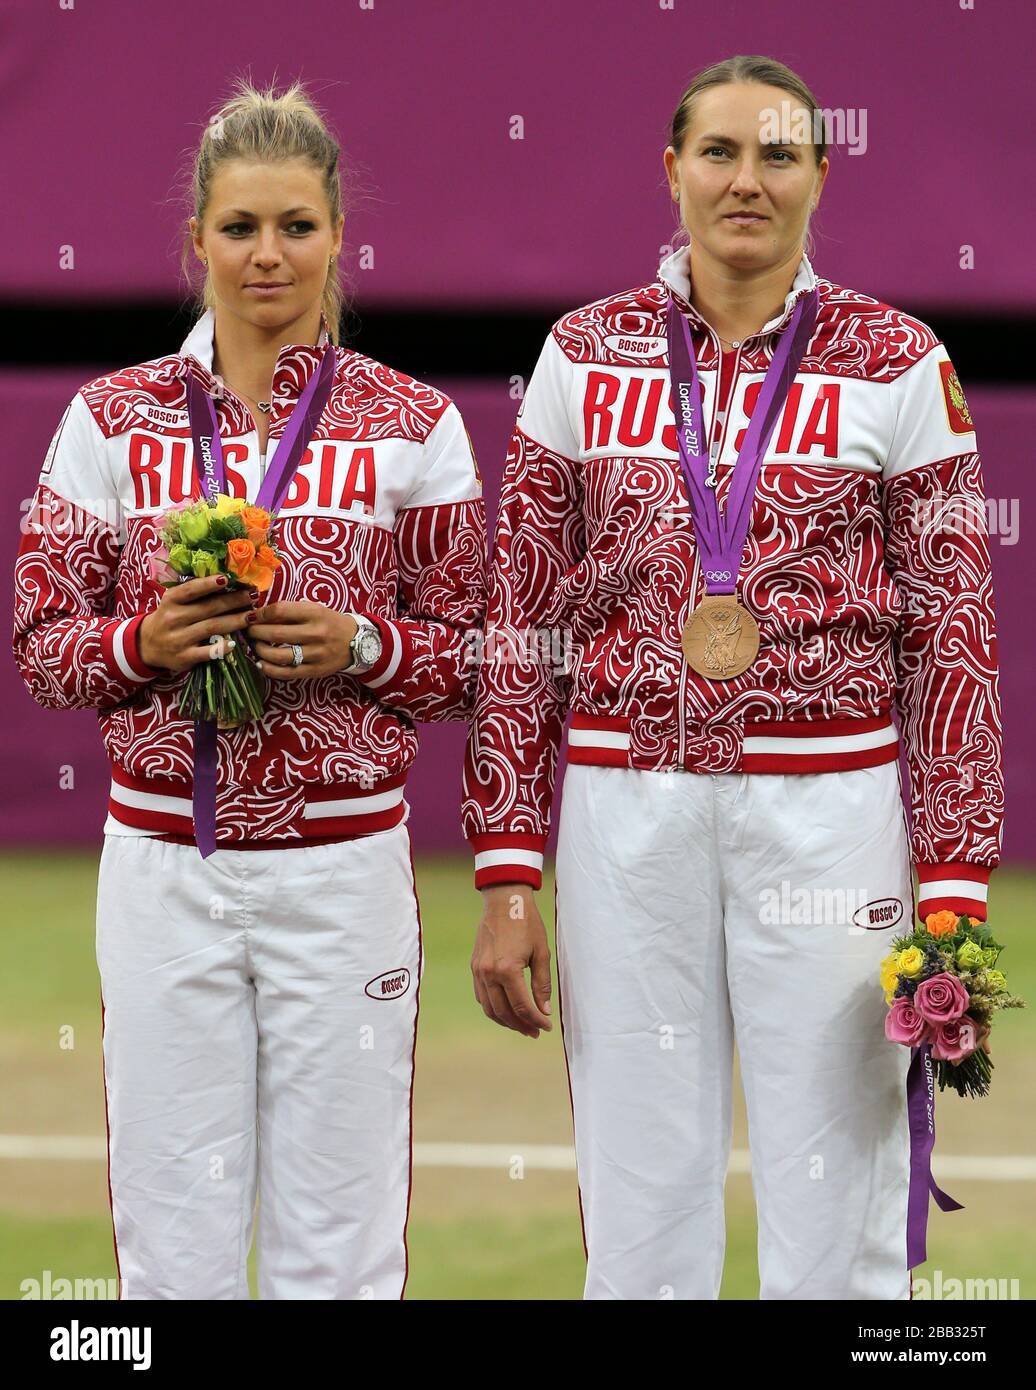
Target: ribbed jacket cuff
(503, 856)
(955, 887)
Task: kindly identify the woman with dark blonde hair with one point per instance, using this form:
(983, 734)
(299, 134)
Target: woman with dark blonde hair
(258, 935)
(750, 588)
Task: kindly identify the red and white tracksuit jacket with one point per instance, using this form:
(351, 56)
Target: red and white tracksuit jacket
(866, 568)
(384, 517)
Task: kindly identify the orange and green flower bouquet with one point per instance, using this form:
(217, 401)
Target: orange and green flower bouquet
(229, 537)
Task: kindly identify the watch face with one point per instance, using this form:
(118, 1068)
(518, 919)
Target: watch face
(368, 647)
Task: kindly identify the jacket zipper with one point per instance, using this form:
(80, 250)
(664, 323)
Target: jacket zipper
(684, 668)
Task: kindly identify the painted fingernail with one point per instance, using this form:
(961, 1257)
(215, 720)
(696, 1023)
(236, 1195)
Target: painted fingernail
(251, 617)
(221, 580)
(254, 593)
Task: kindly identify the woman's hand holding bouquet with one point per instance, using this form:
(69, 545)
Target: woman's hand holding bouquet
(179, 632)
(209, 547)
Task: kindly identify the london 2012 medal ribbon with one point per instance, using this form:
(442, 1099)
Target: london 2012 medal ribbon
(210, 470)
(721, 637)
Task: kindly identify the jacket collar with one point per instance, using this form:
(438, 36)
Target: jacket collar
(295, 361)
(674, 274)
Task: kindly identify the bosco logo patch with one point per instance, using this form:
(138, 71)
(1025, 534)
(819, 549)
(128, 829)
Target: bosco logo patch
(163, 417)
(390, 985)
(957, 412)
(629, 345)
(882, 913)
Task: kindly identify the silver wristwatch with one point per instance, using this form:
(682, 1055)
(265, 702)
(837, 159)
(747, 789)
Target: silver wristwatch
(365, 648)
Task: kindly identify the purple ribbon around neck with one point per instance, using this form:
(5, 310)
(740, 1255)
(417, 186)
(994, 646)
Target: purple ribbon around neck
(212, 479)
(921, 1114)
(721, 538)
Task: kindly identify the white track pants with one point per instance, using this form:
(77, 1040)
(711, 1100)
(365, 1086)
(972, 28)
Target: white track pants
(260, 1009)
(691, 908)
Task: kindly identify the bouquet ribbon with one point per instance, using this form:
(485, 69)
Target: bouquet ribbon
(211, 473)
(921, 1113)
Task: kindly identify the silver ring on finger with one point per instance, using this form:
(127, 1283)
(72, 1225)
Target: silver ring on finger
(297, 657)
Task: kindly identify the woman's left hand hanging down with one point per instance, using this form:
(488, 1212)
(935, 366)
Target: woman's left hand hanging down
(512, 939)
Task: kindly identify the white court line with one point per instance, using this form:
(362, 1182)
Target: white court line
(64, 1146)
(559, 1157)
(549, 1157)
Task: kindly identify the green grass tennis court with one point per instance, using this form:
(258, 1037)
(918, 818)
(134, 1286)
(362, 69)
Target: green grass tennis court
(478, 1230)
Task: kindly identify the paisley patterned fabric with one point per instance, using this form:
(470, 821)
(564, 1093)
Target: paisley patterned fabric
(866, 568)
(384, 518)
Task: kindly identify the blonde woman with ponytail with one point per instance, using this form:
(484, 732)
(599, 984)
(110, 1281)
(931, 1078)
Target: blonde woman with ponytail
(258, 932)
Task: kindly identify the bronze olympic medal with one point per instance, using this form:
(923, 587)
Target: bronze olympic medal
(720, 639)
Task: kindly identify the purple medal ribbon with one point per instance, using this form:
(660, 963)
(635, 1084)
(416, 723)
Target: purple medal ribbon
(721, 538)
(212, 479)
(921, 1115)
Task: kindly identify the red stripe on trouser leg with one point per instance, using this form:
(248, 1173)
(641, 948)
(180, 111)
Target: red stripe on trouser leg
(108, 1157)
(568, 1074)
(413, 1066)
